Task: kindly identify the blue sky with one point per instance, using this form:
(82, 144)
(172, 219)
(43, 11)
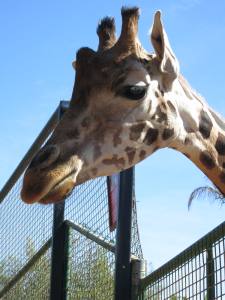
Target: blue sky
(39, 40)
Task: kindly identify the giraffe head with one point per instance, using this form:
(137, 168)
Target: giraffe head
(123, 108)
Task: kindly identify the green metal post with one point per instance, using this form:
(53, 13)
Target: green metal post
(59, 267)
(123, 237)
(60, 232)
(210, 271)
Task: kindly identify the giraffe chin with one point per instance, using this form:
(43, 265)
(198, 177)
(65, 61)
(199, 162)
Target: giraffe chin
(56, 194)
(63, 189)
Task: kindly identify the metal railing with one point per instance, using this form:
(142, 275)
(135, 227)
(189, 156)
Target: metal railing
(63, 253)
(196, 273)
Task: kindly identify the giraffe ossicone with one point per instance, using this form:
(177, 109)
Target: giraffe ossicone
(125, 104)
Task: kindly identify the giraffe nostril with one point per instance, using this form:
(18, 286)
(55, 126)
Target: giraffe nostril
(45, 157)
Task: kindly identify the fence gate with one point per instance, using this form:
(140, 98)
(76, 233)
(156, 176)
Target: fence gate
(67, 252)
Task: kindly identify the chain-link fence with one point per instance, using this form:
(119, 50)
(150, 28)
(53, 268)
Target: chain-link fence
(196, 273)
(26, 240)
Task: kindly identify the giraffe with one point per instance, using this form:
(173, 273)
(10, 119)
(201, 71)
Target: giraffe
(126, 104)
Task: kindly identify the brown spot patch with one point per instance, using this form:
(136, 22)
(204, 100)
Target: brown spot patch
(118, 162)
(222, 177)
(220, 144)
(156, 94)
(189, 129)
(130, 154)
(163, 105)
(161, 90)
(167, 133)
(207, 160)
(223, 165)
(116, 139)
(151, 136)
(172, 107)
(136, 130)
(160, 116)
(142, 154)
(187, 141)
(205, 125)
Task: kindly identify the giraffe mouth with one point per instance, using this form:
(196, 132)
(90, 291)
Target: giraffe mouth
(45, 195)
(61, 190)
(50, 186)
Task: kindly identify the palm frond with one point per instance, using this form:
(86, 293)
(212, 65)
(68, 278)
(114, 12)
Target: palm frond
(208, 192)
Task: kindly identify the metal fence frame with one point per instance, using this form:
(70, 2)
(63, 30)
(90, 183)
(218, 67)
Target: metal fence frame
(130, 280)
(61, 227)
(204, 244)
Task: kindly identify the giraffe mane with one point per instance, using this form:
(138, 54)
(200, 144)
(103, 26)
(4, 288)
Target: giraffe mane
(218, 118)
(190, 93)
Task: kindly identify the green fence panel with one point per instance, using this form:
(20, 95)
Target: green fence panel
(196, 273)
(24, 229)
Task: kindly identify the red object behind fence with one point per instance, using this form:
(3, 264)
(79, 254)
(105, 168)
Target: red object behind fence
(113, 184)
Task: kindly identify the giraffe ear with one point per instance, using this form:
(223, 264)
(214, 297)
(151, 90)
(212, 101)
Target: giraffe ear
(169, 65)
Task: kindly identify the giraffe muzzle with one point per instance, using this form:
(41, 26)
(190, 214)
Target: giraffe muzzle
(45, 157)
(47, 180)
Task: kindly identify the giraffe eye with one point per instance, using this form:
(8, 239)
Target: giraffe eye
(134, 92)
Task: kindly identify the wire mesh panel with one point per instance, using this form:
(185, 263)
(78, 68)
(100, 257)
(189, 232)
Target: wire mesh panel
(34, 284)
(25, 229)
(22, 228)
(218, 273)
(91, 270)
(88, 206)
(91, 267)
(197, 273)
(135, 237)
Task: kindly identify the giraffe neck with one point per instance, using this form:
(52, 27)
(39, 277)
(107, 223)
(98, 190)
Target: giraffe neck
(202, 136)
